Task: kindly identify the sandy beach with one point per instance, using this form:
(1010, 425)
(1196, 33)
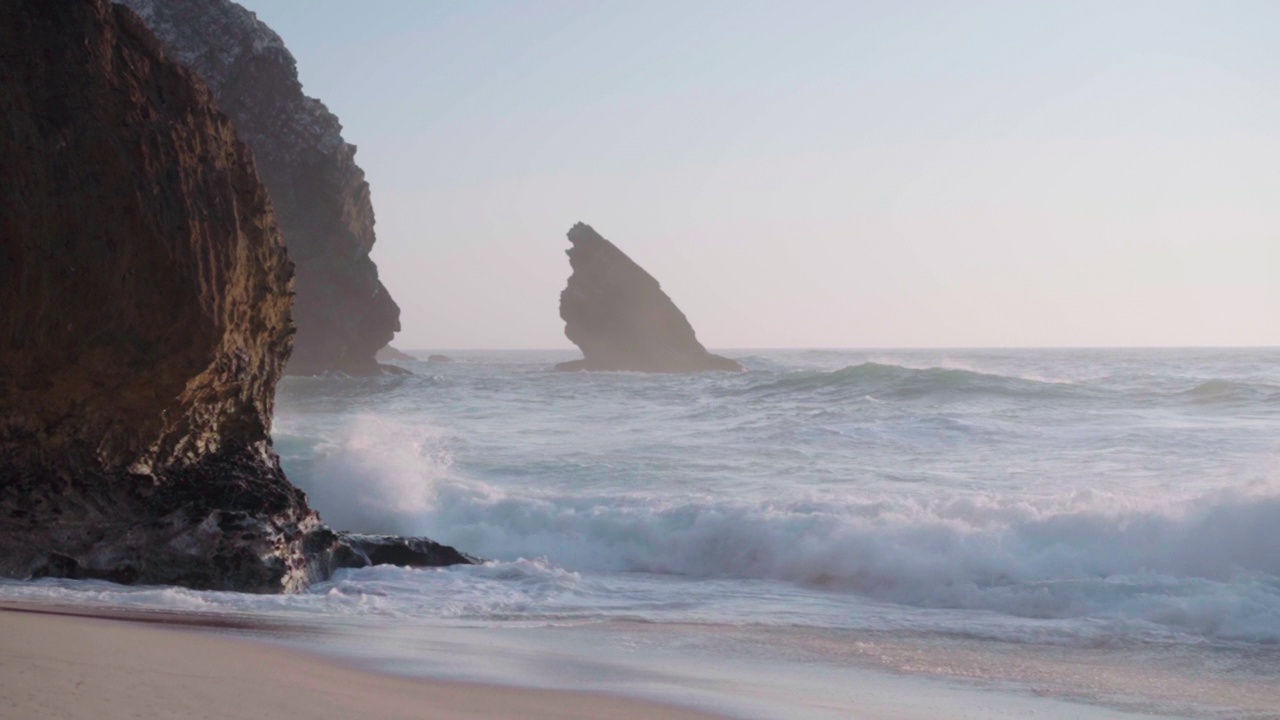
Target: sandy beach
(65, 667)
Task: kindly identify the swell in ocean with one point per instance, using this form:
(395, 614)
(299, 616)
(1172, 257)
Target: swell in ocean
(1067, 499)
(1204, 565)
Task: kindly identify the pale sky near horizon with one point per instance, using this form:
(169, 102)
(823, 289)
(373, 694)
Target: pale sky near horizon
(819, 174)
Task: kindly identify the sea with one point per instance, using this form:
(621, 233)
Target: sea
(1089, 533)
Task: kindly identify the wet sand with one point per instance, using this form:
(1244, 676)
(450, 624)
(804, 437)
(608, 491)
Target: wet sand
(64, 665)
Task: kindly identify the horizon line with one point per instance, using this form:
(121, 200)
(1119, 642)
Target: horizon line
(868, 348)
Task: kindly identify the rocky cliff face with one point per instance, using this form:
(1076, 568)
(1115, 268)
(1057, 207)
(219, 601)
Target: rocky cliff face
(620, 318)
(146, 296)
(343, 313)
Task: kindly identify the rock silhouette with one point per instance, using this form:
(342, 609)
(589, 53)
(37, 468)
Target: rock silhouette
(322, 203)
(620, 318)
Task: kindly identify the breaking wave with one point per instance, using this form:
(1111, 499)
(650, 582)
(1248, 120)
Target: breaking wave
(1226, 391)
(968, 494)
(1207, 565)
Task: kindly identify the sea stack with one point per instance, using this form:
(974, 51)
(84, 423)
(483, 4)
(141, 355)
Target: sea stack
(343, 312)
(620, 318)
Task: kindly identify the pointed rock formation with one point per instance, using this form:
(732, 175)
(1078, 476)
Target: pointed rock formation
(343, 312)
(145, 293)
(620, 318)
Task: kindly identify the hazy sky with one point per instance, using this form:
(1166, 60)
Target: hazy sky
(819, 174)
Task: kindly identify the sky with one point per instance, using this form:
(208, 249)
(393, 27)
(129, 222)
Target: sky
(818, 174)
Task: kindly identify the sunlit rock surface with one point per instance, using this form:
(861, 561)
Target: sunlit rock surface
(146, 296)
(322, 203)
(620, 318)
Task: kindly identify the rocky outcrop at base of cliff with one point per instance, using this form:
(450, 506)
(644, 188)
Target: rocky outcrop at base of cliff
(358, 550)
(226, 522)
(223, 524)
(389, 353)
(620, 318)
(146, 296)
(343, 312)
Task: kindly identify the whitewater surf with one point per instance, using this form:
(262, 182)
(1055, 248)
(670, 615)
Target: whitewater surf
(994, 517)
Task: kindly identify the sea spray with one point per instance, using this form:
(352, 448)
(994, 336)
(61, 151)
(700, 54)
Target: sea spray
(1052, 497)
(1194, 562)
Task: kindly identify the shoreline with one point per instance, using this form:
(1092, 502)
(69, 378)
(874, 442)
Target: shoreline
(90, 656)
(70, 663)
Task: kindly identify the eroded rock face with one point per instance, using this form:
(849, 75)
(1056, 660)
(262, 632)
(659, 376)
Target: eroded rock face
(620, 318)
(389, 353)
(145, 293)
(343, 312)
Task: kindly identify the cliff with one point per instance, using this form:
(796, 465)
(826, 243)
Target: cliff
(343, 313)
(146, 295)
(620, 318)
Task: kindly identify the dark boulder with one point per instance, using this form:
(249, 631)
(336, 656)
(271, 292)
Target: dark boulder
(402, 551)
(620, 318)
(332, 551)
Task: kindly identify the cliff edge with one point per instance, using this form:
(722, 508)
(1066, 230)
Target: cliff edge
(343, 312)
(620, 318)
(146, 296)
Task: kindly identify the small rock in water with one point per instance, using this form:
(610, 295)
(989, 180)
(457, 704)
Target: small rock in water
(355, 550)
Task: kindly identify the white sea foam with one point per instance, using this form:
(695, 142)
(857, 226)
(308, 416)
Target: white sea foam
(985, 501)
(377, 475)
(1202, 564)
(826, 505)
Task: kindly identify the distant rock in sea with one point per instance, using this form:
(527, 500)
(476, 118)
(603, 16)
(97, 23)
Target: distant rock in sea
(322, 203)
(146, 296)
(434, 358)
(620, 318)
(389, 353)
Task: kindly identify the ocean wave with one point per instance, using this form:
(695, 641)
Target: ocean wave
(1227, 391)
(1211, 568)
(1203, 566)
(1207, 565)
(888, 381)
